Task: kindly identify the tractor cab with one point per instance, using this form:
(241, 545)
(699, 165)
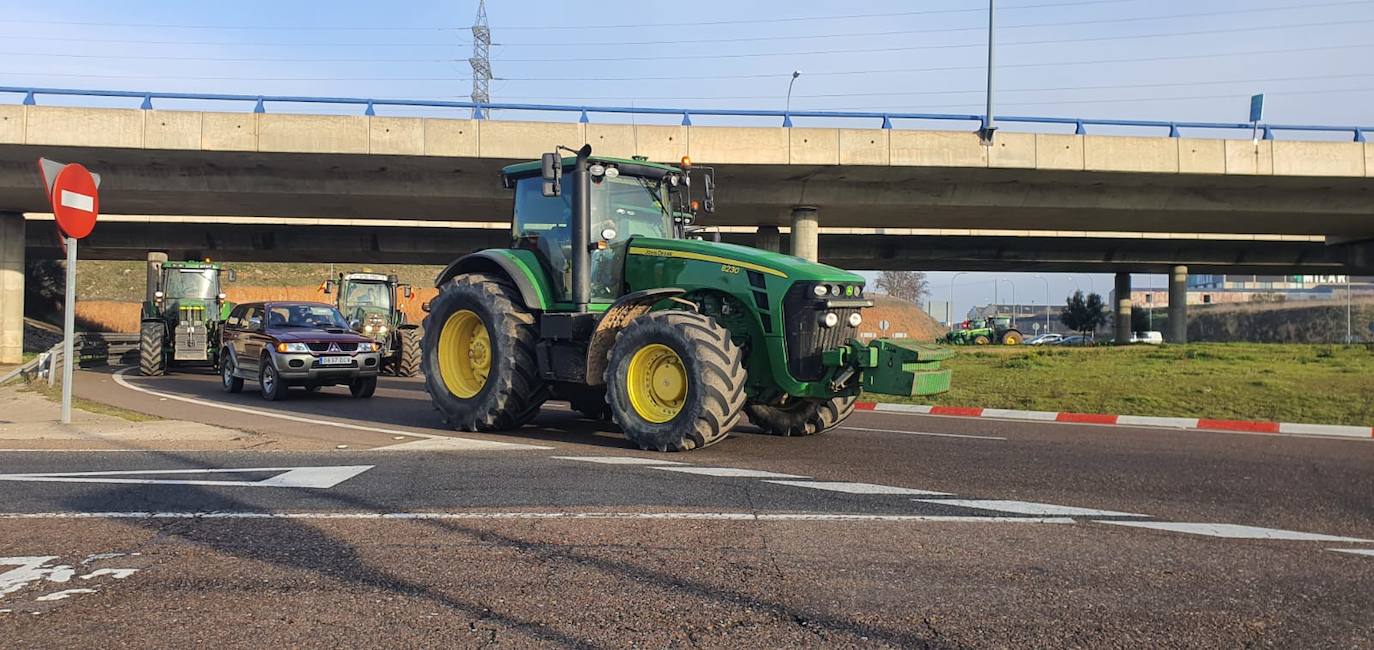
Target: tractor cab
(370, 302)
(627, 198)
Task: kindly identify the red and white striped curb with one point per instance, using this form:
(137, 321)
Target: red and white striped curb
(1248, 426)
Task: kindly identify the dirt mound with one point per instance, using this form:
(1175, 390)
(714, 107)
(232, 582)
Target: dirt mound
(905, 320)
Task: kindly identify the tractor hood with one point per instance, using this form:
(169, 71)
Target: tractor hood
(754, 259)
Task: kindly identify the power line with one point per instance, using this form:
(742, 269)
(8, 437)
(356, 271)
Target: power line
(971, 91)
(834, 73)
(1113, 100)
(374, 28)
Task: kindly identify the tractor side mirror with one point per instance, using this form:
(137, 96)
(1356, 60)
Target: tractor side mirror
(393, 279)
(709, 185)
(233, 276)
(551, 169)
(407, 291)
(327, 287)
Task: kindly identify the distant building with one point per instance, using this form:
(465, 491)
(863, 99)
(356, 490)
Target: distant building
(1231, 289)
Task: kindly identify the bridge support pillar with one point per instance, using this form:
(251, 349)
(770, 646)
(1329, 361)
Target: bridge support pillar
(1178, 305)
(155, 261)
(768, 238)
(1122, 295)
(11, 287)
(806, 232)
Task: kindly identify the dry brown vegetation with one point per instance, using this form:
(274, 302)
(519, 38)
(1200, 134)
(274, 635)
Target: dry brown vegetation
(123, 316)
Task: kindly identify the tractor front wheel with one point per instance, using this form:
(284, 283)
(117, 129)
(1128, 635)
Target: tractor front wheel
(151, 357)
(982, 339)
(408, 354)
(675, 381)
(478, 355)
(801, 417)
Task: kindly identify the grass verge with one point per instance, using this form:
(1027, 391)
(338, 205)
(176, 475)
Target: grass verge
(1318, 384)
(55, 394)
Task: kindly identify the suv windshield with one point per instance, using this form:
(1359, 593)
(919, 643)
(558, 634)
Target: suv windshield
(312, 316)
(199, 284)
(367, 294)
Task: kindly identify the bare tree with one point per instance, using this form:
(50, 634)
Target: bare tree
(910, 286)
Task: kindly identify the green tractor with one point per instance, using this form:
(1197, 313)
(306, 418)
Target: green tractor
(604, 299)
(371, 303)
(984, 331)
(181, 316)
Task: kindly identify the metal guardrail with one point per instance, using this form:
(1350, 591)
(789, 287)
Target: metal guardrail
(479, 111)
(92, 349)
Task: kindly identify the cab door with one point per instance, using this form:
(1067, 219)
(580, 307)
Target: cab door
(249, 344)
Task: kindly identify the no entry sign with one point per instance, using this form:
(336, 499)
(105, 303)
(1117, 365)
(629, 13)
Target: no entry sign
(72, 190)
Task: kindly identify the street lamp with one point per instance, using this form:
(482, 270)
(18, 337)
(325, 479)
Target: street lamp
(787, 110)
(1013, 298)
(949, 311)
(989, 122)
(1349, 333)
(1047, 300)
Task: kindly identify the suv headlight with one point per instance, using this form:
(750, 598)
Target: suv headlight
(367, 347)
(288, 348)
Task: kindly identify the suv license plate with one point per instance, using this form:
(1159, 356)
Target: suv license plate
(335, 361)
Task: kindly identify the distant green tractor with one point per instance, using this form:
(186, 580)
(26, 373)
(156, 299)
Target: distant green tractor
(181, 316)
(984, 331)
(371, 303)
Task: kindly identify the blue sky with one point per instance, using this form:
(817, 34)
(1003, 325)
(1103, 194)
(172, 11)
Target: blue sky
(1148, 59)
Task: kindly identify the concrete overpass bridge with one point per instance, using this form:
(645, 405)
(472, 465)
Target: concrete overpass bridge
(411, 188)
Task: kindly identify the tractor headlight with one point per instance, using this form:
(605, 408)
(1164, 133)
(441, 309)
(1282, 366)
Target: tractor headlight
(830, 319)
(367, 347)
(820, 290)
(290, 348)
(158, 295)
(855, 319)
(382, 330)
(367, 329)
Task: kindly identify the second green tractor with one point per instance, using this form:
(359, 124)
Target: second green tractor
(607, 300)
(371, 303)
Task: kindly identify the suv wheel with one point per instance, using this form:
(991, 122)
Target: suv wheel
(228, 381)
(272, 388)
(363, 386)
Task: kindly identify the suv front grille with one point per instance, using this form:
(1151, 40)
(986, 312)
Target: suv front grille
(806, 337)
(319, 346)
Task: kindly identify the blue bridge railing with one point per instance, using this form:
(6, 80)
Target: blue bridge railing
(479, 111)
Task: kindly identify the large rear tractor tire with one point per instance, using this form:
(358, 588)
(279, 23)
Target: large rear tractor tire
(152, 360)
(1012, 337)
(408, 356)
(675, 381)
(801, 417)
(478, 355)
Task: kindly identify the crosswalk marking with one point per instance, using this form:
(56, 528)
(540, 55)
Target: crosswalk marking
(1234, 531)
(856, 488)
(1029, 508)
(1356, 551)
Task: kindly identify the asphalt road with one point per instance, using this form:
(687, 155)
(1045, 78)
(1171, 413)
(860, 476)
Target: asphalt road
(898, 530)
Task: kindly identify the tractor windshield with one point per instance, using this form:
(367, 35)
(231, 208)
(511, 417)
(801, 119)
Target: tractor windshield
(628, 205)
(194, 284)
(369, 295)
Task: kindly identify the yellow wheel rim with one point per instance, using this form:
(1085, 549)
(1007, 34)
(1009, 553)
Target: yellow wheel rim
(657, 383)
(464, 354)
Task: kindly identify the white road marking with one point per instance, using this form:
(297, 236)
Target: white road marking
(1028, 508)
(923, 433)
(65, 593)
(30, 568)
(444, 443)
(291, 477)
(122, 381)
(1016, 414)
(1155, 421)
(856, 488)
(117, 574)
(1234, 531)
(619, 460)
(728, 472)
(1357, 551)
(691, 516)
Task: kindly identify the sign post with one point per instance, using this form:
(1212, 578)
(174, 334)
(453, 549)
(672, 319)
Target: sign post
(75, 207)
(1256, 114)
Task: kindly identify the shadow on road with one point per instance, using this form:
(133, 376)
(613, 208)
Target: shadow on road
(294, 544)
